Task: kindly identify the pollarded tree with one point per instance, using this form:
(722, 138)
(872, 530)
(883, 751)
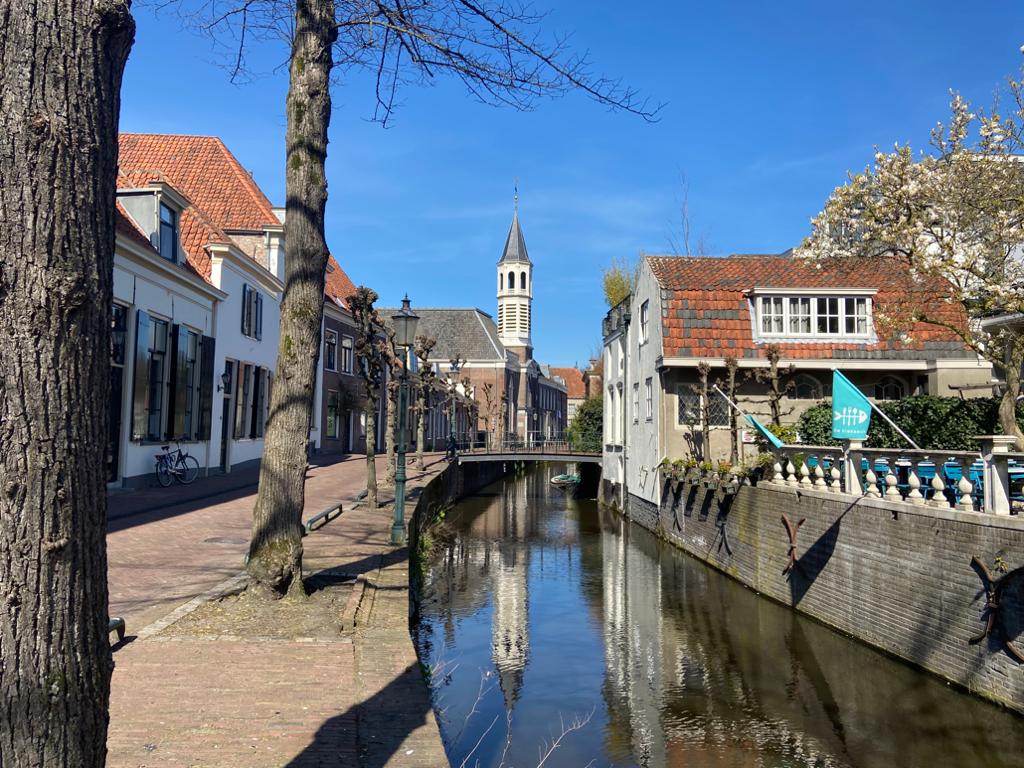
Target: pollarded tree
(61, 63)
(371, 370)
(779, 379)
(423, 389)
(493, 47)
(953, 219)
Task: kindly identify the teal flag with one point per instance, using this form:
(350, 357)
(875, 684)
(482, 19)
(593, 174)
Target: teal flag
(851, 411)
(765, 433)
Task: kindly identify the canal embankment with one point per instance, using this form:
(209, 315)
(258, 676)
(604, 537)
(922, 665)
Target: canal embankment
(938, 588)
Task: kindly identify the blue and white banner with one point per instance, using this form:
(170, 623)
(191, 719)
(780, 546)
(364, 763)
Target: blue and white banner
(851, 410)
(765, 433)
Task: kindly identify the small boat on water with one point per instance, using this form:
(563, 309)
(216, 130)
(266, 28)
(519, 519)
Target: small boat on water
(563, 480)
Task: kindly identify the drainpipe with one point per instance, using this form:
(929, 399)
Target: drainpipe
(626, 395)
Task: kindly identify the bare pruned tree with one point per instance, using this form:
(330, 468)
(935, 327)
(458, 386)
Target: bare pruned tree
(779, 380)
(425, 377)
(681, 241)
(371, 369)
(496, 48)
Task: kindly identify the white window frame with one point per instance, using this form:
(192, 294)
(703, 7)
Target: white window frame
(796, 315)
(330, 340)
(644, 318)
(649, 398)
(346, 354)
(636, 402)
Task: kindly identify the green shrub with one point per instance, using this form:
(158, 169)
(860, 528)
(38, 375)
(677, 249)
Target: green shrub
(785, 432)
(586, 433)
(946, 423)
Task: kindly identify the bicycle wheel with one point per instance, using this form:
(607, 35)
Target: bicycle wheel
(188, 469)
(163, 473)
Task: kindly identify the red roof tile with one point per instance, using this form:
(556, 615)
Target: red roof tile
(202, 169)
(338, 285)
(573, 381)
(705, 312)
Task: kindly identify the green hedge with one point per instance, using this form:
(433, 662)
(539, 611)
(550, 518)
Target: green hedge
(587, 427)
(947, 423)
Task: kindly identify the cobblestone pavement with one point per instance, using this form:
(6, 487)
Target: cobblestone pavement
(359, 700)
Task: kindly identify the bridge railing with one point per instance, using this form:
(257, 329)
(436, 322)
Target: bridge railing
(518, 445)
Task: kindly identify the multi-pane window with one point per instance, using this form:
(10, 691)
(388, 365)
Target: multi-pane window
(331, 350)
(168, 233)
(636, 403)
(772, 314)
(253, 401)
(346, 354)
(889, 388)
(799, 314)
(252, 313)
(856, 316)
(157, 377)
(832, 316)
(827, 322)
(806, 387)
(718, 410)
(644, 316)
(649, 399)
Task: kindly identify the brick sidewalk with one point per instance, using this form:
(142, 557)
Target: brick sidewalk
(356, 701)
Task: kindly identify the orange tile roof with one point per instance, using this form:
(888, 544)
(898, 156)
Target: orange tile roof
(202, 169)
(573, 381)
(705, 312)
(338, 286)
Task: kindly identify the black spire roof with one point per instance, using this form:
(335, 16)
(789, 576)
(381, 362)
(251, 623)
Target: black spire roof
(515, 245)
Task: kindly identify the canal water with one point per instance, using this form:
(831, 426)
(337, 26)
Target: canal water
(547, 622)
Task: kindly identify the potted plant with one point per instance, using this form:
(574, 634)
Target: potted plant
(707, 471)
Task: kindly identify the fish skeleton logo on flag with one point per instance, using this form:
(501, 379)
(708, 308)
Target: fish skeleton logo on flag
(851, 410)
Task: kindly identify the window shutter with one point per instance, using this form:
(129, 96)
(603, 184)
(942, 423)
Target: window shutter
(259, 316)
(260, 394)
(270, 384)
(207, 345)
(140, 391)
(245, 309)
(176, 427)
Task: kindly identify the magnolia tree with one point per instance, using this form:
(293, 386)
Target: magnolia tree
(953, 219)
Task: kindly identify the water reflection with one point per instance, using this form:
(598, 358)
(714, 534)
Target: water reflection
(543, 608)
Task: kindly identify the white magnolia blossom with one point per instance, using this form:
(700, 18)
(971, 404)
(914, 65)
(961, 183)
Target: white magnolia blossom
(952, 216)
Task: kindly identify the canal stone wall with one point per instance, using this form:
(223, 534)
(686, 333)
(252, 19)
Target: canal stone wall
(895, 576)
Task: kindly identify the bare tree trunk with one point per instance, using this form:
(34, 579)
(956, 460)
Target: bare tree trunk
(421, 425)
(275, 553)
(371, 453)
(1008, 405)
(61, 63)
(731, 368)
(703, 370)
(390, 430)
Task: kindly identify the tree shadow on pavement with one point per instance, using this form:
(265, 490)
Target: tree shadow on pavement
(376, 728)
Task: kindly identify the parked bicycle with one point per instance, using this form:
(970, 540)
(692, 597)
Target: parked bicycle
(175, 465)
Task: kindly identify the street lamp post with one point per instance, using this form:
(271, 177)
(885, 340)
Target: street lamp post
(404, 322)
(455, 363)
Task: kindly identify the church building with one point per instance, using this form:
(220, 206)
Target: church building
(515, 395)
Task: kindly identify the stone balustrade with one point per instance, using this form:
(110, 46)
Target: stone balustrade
(989, 481)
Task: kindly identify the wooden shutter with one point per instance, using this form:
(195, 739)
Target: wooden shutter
(259, 396)
(207, 345)
(258, 314)
(140, 391)
(176, 426)
(245, 309)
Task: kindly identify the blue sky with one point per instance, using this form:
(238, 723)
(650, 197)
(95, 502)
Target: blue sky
(767, 107)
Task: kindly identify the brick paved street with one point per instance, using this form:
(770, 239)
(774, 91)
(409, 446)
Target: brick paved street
(357, 701)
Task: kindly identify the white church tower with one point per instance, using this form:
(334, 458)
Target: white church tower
(515, 292)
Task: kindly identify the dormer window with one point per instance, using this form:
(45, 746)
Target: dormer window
(168, 233)
(806, 315)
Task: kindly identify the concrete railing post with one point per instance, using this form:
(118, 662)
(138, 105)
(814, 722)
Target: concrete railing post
(852, 466)
(996, 475)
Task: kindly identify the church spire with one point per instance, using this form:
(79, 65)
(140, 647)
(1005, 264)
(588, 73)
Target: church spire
(515, 244)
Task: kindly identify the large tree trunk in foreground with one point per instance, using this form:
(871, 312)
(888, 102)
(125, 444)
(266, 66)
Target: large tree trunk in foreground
(275, 553)
(61, 63)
